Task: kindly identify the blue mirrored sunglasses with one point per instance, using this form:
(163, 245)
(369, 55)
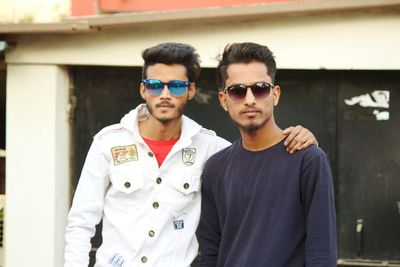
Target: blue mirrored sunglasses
(176, 87)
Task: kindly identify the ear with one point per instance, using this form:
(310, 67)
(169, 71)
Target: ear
(276, 93)
(191, 91)
(222, 100)
(142, 91)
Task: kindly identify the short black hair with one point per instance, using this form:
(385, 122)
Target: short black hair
(245, 53)
(173, 53)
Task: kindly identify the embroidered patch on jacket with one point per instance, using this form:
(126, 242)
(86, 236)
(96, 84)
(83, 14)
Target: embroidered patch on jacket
(189, 155)
(178, 224)
(122, 154)
(116, 260)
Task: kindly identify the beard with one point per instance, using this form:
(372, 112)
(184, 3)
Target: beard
(250, 128)
(167, 118)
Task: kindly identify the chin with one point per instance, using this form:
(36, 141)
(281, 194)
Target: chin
(164, 115)
(249, 127)
(164, 119)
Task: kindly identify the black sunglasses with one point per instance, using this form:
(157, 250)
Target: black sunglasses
(238, 92)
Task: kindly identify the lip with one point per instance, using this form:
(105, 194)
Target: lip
(250, 112)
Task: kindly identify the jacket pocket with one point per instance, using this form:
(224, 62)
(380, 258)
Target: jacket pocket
(126, 183)
(186, 189)
(187, 185)
(125, 193)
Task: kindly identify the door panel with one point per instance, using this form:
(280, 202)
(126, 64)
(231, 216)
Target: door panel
(369, 166)
(309, 98)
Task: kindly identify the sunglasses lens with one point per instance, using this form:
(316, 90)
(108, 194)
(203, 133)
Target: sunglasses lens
(237, 92)
(153, 86)
(261, 89)
(177, 88)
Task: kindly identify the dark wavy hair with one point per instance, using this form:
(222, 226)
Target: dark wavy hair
(244, 53)
(173, 53)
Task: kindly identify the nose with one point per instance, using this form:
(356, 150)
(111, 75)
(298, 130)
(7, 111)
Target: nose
(165, 93)
(250, 98)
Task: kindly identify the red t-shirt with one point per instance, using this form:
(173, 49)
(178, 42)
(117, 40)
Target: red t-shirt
(160, 148)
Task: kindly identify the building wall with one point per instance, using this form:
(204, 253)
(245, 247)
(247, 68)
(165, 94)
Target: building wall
(357, 40)
(37, 165)
(28, 11)
(96, 7)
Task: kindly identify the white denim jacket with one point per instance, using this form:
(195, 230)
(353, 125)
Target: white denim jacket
(150, 212)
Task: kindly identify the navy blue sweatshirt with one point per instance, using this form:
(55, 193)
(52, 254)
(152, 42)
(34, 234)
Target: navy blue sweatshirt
(267, 209)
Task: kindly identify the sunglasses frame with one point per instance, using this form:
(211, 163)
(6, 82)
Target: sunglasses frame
(227, 89)
(157, 91)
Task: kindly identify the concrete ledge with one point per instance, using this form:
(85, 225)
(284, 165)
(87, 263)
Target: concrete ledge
(96, 23)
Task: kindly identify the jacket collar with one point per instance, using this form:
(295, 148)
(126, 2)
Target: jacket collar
(131, 122)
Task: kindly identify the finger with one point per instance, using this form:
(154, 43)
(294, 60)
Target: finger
(302, 131)
(293, 133)
(310, 136)
(297, 141)
(306, 144)
(306, 136)
(294, 136)
(287, 130)
(313, 140)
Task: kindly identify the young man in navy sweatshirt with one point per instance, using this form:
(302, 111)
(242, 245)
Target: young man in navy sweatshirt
(261, 206)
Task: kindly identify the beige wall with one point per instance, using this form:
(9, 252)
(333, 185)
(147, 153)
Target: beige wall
(37, 165)
(23, 11)
(331, 41)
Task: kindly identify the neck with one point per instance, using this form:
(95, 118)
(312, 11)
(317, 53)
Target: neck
(262, 138)
(163, 131)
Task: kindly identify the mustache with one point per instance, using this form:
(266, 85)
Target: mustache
(165, 104)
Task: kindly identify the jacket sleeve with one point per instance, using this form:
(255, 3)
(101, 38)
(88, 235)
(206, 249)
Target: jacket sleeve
(208, 231)
(87, 207)
(319, 208)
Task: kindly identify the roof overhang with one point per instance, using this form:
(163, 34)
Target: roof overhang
(96, 23)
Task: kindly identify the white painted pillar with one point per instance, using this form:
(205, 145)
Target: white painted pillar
(37, 166)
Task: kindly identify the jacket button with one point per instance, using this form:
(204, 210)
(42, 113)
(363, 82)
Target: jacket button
(186, 185)
(158, 180)
(127, 184)
(151, 233)
(150, 154)
(144, 259)
(155, 205)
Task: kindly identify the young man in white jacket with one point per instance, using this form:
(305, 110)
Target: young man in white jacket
(142, 175)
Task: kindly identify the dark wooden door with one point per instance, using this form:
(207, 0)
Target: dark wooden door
(368, 192)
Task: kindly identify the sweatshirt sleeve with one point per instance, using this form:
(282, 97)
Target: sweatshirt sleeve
(208, 232)
(319, 208)
(87, 207)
